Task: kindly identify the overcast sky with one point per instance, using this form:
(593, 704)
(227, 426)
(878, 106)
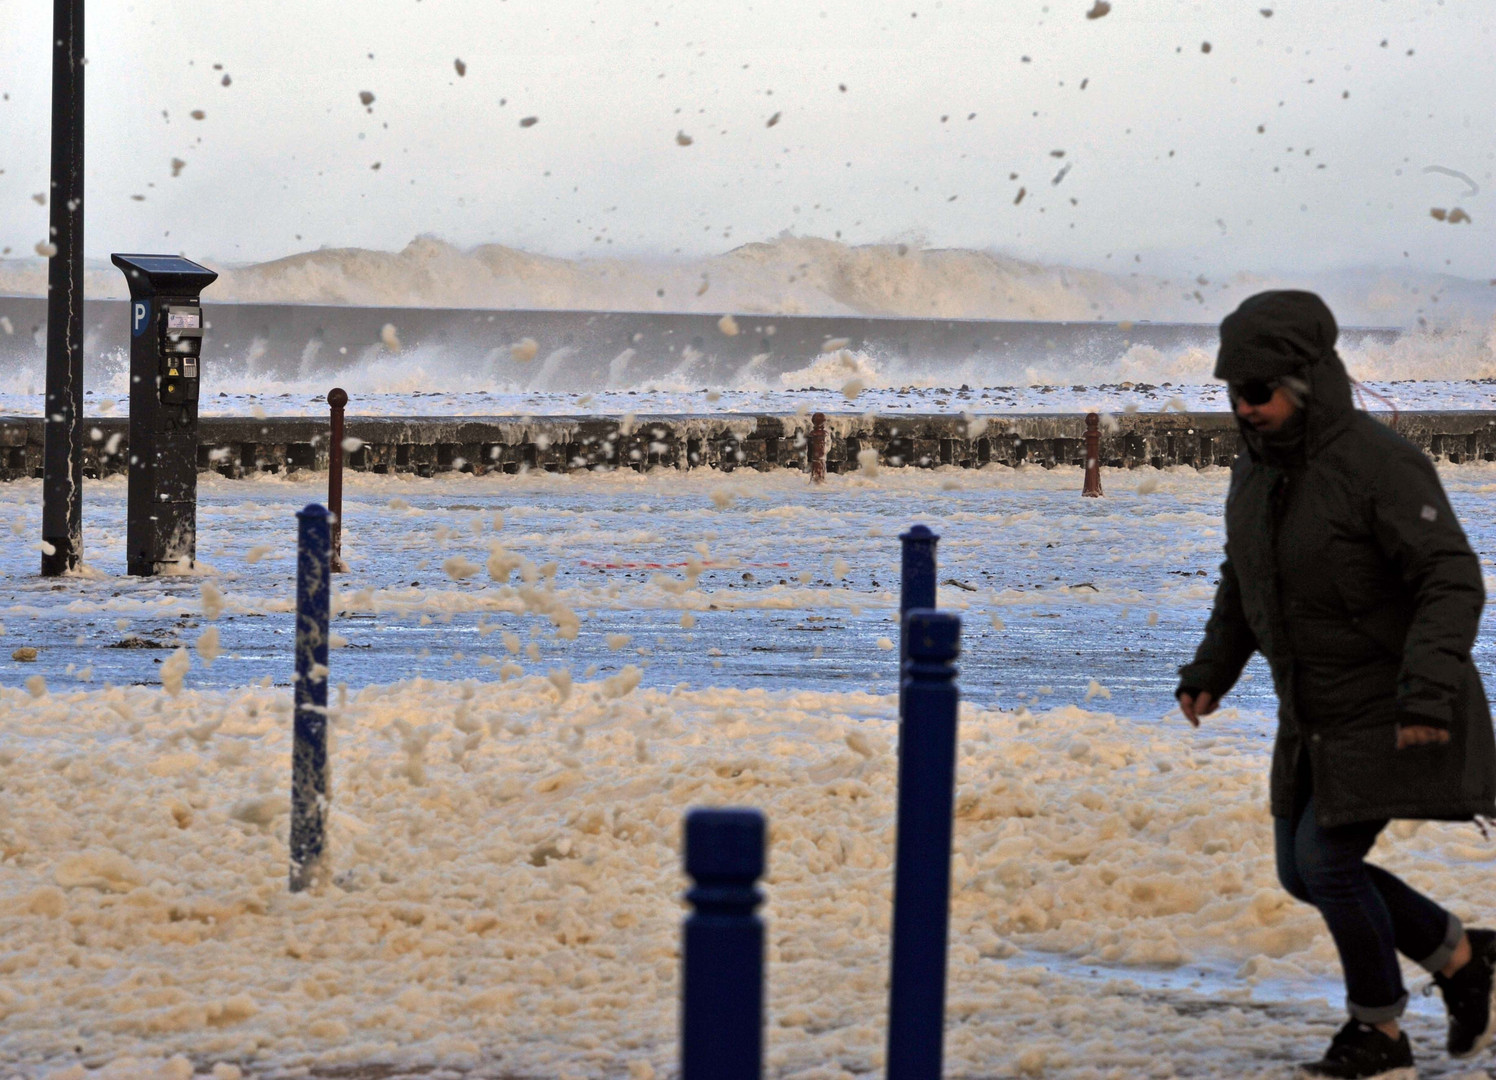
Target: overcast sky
(1300, 140)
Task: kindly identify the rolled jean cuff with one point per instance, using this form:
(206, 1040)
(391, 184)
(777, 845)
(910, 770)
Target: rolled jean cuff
(1453, 934)
(1379, 1014)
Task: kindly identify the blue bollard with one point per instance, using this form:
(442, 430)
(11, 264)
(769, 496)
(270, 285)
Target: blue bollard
(309, 787)
(722, 955)
(916, 585)
(922, 868)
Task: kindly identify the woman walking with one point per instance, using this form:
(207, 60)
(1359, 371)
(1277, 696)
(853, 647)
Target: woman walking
(1346, 568)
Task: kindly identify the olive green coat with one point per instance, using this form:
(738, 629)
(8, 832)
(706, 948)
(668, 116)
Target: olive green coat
(1372, 629)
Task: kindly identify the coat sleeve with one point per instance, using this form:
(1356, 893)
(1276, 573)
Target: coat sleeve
(1417, 532)
(1228, 643)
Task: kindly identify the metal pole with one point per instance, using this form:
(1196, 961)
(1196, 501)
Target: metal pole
(916, 585)
(722, 955)
(337, 398)
(62, 448)
(1092, 486)
(309, 766)
(922, 868)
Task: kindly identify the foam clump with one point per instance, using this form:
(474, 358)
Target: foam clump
(108, 871)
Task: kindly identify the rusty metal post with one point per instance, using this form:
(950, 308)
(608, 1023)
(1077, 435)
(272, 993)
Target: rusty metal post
(1092, 487)
(818, 448)
(337, 398)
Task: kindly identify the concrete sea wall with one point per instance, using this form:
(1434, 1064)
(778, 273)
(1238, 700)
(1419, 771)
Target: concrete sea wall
(235, 446)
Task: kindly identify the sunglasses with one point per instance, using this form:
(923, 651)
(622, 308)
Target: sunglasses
(1256, 391)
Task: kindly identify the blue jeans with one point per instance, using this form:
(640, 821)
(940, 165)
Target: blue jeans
(1372, 915)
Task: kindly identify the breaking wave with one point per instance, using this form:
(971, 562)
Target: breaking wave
(791, 275)
(1078, 329)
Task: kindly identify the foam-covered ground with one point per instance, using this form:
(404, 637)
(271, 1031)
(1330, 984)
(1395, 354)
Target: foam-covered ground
(750, 580)
(507, 867)
(506, 863)
(509, 784)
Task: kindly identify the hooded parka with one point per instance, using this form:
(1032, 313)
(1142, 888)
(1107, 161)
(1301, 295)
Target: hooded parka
(1345, 567)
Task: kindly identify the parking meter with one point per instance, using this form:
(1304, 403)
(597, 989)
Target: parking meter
(166, 345)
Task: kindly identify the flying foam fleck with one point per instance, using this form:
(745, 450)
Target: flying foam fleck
(459, 568)
(212, 601)
(174, 670)
(207, 646)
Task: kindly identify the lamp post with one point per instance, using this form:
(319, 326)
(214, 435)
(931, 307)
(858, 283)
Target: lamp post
(62, 452)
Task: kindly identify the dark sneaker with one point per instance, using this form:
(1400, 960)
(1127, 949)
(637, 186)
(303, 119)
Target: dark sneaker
(1468, 996)
(1361, 1052)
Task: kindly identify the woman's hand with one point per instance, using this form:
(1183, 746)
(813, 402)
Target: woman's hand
(1419, 735)
(1202, 704)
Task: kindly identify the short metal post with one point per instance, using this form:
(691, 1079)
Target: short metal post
(916, 585)
(818, 448)
(309, 765)
(337, 398)
(722, 955)
(922, 868)
(1092, 488)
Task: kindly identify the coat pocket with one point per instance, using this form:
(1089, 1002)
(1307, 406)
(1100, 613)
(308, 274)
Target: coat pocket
(1363, 776)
